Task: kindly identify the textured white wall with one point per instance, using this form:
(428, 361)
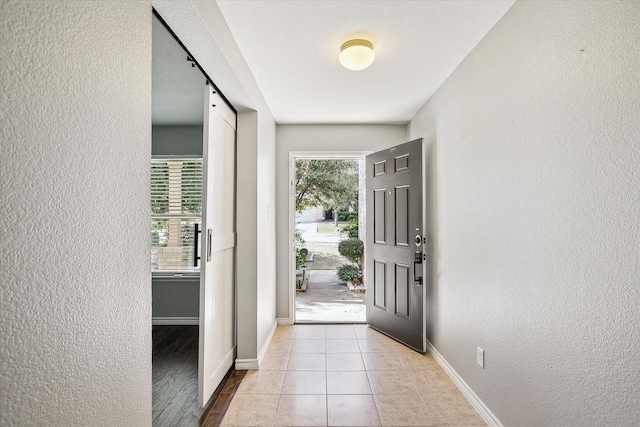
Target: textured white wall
(316, 138)
(75, 300)
(534, 184)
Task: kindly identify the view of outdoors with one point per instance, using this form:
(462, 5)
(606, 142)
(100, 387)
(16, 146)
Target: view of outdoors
(328, 248)
(176, 208)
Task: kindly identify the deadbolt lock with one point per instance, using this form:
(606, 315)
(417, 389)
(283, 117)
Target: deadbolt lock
(418, 240)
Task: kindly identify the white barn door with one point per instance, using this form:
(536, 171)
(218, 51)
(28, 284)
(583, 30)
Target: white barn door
(217, 315)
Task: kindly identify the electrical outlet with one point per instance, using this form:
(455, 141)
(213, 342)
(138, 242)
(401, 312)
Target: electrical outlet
(480, 357)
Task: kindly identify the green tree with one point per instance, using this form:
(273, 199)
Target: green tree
(160, 188)
(191, 187)
(328, 183)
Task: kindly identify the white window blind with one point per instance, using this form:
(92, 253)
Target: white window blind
(176, 208)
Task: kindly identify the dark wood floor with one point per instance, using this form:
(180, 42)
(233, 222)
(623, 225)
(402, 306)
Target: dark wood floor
(175, 376)
(175, 381)
(222, 398)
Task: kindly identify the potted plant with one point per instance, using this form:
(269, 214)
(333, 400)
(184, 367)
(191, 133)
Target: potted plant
(350, 273)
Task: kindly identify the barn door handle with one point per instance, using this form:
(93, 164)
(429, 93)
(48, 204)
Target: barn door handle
(196, 231)
(417, 260)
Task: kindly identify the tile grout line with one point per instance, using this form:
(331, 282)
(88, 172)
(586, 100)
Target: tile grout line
(405, 362)
(375, 404)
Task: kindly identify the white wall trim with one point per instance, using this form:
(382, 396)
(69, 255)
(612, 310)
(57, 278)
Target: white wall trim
(175, 321)
(486, 414)
(264, 348)
(268, 340)
(176, 277)
(291, 231)
(328, 155)
(246, 364)
(252, 364)
(284, 321)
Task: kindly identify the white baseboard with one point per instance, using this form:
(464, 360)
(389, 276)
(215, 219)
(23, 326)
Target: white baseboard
(246, 364)
(175, 321)
(249, 364)
(283, 321)
(486, 414)
(265, 346)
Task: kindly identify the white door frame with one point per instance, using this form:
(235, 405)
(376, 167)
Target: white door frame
(306, 155)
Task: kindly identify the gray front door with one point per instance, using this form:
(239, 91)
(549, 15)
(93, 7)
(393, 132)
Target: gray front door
(394, 246)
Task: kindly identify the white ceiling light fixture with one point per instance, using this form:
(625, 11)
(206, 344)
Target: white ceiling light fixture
(356, 54)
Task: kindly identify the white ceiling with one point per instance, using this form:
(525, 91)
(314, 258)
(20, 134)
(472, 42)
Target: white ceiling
(292, 50)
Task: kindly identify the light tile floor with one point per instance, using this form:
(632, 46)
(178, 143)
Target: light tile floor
(346, 375)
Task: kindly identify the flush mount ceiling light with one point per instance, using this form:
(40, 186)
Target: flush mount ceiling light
(356, 54)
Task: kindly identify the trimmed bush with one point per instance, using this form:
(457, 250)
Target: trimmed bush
(350, 229)
(352, 249)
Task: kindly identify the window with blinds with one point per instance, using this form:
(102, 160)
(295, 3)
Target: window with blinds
(176, 209)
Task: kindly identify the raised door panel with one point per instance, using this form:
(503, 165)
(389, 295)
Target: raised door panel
(380, 216)
(380, 284)
(401, 216)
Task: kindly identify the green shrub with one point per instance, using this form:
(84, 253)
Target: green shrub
(342, 217)
(352, 249)
(301, 257)
(349, 272)
(301, 252)
(349, 215)
(350, 229)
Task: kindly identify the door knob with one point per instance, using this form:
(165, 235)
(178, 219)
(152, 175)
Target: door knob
(418, 240)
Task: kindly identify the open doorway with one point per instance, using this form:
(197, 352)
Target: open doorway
(327, 227)
(176, 205)
(193, 232)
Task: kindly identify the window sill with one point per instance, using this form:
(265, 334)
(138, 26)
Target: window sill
(176, 276)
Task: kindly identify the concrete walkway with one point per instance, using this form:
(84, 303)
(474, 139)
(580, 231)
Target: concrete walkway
(309, 231)
(327, 300)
